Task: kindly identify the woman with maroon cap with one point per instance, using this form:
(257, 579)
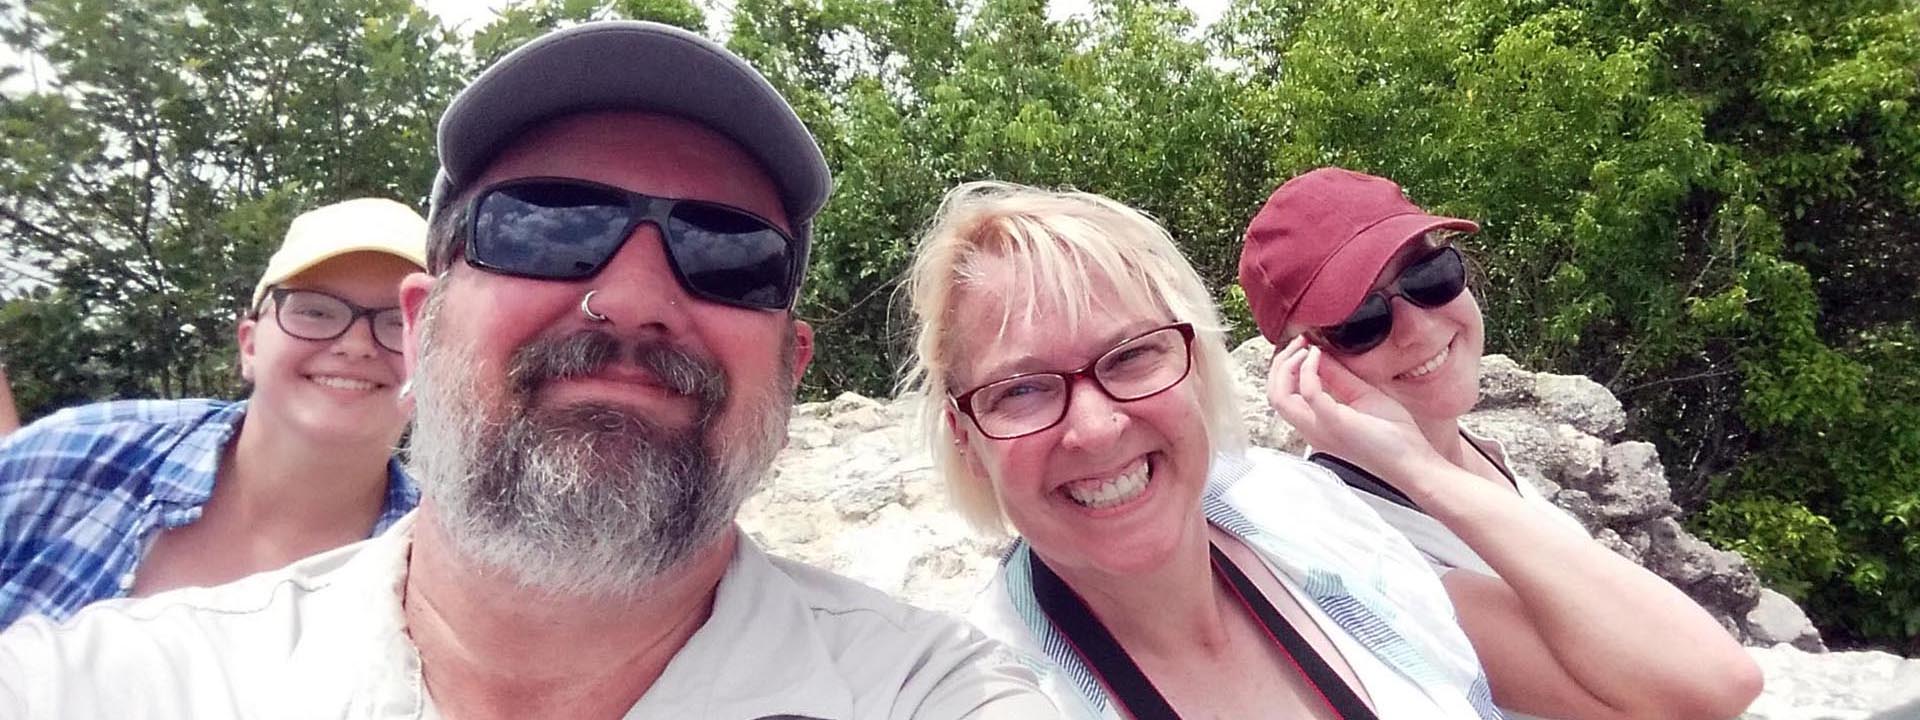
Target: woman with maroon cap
(1380, 343)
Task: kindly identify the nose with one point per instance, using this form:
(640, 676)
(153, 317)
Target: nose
(637, 289)
(1093, 420)
(357, 341)
(1411, 323)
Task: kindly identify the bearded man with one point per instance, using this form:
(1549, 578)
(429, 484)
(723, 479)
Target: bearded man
(603, 355)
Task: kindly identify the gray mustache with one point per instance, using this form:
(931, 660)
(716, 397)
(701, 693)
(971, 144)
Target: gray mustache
(589, 351)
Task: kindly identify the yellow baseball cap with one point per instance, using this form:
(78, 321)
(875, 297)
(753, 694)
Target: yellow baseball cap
(359, 225)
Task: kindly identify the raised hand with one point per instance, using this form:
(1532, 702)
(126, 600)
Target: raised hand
(1340, 413)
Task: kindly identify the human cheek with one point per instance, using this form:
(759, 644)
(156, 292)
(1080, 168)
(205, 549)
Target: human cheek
(1375, 366)
(396, 365)
(1013, 465)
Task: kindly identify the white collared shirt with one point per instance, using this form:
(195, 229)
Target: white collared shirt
(1442, 548)
(325, 638)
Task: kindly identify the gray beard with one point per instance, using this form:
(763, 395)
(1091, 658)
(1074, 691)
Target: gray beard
(589, 500)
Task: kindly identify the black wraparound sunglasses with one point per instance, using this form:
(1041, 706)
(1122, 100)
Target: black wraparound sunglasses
(567, 229)
(1432, 281)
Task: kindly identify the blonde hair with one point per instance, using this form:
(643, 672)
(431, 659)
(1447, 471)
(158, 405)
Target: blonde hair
(1063, 248)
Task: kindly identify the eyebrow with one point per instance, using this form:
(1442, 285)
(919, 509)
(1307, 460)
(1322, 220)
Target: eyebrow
(1029, 364)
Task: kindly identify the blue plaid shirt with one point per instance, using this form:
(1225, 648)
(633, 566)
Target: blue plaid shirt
(83, 491)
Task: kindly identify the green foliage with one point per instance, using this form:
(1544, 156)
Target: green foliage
(909, 101)
(524, 20)
(150, 179)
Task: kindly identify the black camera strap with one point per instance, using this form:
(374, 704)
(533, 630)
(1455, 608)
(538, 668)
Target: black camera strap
(1130, 687)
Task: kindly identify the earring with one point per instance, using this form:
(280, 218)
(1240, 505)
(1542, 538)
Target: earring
(586, 308)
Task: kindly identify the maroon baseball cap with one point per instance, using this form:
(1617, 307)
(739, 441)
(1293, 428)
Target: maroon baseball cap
(1313, 251)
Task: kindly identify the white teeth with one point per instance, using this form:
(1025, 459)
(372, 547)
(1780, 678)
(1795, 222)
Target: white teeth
(1113, 491)
(340, 383)
(1430, 365)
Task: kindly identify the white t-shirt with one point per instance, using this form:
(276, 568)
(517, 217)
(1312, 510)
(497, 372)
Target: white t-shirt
(325, 638)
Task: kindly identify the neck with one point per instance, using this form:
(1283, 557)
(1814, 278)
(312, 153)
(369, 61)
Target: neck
(1174, 609)
(278, 480)
(490, 647)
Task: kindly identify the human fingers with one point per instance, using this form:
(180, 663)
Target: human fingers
(1284, 374)
(1292, 346)
(1310, 385)
(1286, 356)
(1283, 391)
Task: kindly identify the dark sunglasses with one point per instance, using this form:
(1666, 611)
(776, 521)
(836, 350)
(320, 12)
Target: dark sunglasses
(567, 229)
(1432, 281)
(320, 316)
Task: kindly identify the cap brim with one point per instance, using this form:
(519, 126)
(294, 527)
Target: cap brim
(1348, 276)
(280, 275)
(631, 65)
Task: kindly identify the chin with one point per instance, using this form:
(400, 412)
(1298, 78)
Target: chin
(353, 431)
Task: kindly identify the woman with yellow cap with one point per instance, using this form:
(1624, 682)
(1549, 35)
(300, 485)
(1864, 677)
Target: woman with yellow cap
(134, 497)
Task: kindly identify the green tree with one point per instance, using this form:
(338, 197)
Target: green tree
(154, 171)
(909, 99)
(523, 20)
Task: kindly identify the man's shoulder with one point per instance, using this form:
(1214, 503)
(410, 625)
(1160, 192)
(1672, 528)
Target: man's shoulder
(891, 659)
(833, 597)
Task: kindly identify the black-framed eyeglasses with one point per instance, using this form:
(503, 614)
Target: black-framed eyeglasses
(317, 315)
(567, 229)
(1432, 281)
(1137, 368)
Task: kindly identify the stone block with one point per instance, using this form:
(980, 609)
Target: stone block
(1777, 619)
(1580, 402)
(1503, 383)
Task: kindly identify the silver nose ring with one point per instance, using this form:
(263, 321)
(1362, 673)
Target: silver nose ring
(586, 308)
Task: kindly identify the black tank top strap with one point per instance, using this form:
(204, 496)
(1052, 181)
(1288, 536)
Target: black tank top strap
(1131, 688)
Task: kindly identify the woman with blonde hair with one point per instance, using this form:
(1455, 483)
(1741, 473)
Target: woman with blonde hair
(1076, 389)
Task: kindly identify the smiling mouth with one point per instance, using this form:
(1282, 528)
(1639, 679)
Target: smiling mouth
(340, 383)
(1427, 368)
(1109, 492)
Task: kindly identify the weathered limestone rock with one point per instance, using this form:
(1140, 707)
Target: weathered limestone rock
(1776, 619)
(1837, 686)
(1503, 383)
(1580, 402)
